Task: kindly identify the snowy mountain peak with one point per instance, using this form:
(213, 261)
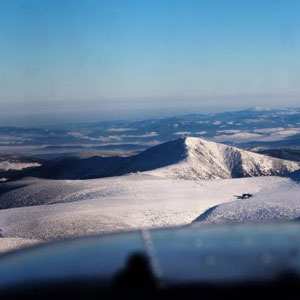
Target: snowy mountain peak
(202, 159)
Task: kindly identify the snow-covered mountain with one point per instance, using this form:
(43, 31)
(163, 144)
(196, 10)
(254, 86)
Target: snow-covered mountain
(197, 158)
(184, 158)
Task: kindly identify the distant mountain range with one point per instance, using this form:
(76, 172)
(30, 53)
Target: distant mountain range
(184, 158)
(255, 127)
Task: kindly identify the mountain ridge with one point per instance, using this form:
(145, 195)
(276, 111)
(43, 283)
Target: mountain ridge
(183, 158)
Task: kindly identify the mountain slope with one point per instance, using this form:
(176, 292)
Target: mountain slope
(277, 203)
(185, 158)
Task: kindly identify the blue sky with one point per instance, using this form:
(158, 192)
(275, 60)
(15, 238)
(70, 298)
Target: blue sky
(117, 57)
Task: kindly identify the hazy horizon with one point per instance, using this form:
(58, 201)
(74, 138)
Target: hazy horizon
(46, 119)
(87, 60)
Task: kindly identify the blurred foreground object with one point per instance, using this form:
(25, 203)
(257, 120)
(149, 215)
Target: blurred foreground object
(190, 262)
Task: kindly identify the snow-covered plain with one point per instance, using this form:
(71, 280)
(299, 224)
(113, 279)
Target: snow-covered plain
(62, 209)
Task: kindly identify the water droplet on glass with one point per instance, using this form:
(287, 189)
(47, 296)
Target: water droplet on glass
(209, 260)
(266, 258)
(197, 243)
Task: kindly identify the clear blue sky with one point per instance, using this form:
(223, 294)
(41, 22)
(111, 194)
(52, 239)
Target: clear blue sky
(100, 56)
